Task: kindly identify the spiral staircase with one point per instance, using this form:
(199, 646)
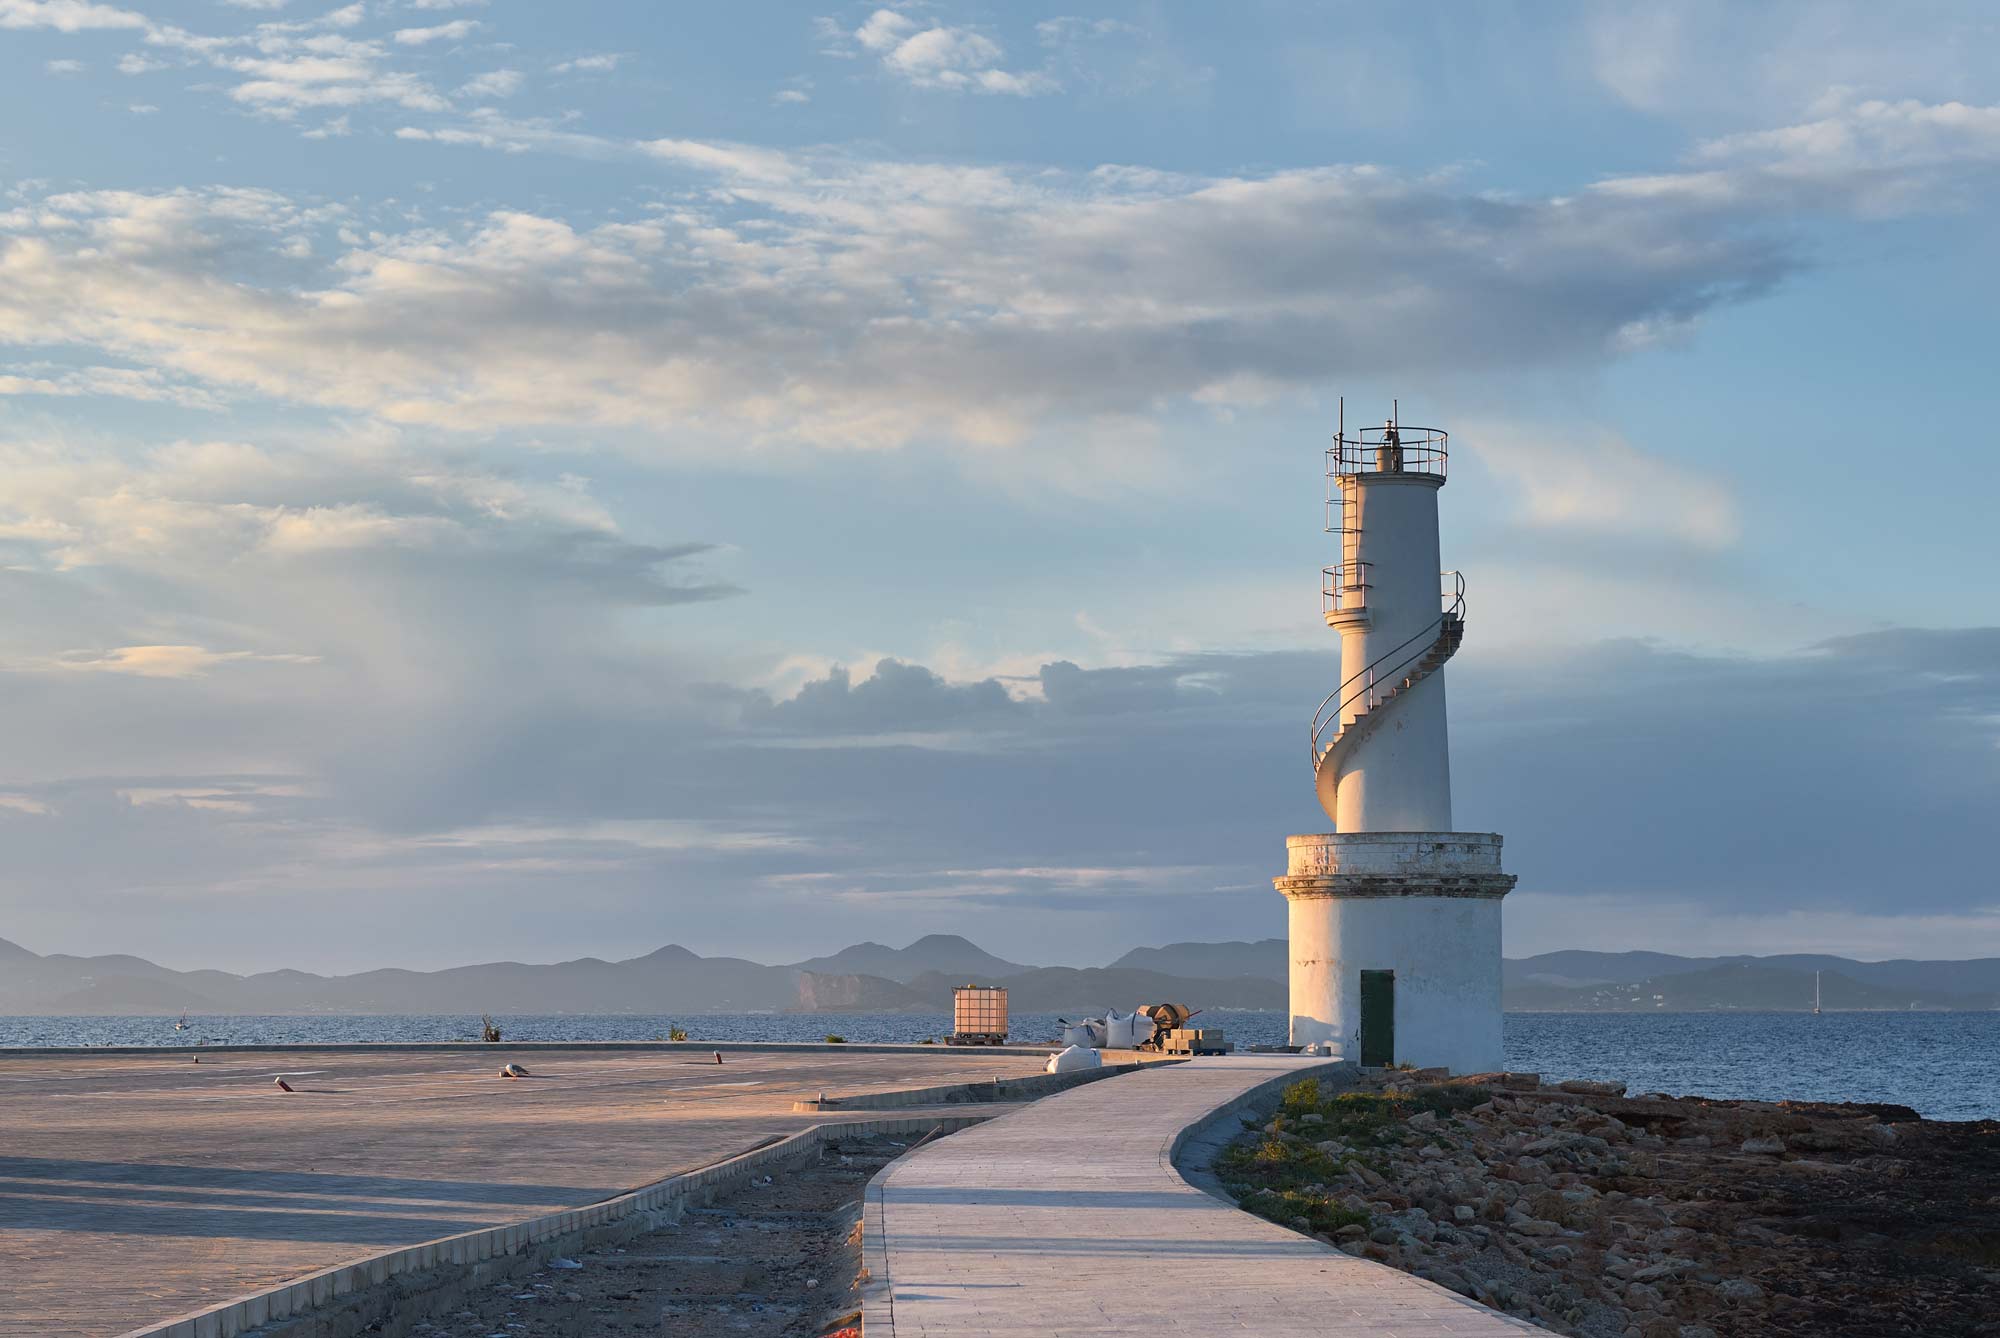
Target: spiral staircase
(1351, 711)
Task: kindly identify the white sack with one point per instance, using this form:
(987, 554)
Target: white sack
(1122, 1033)
(1073, 1059)
(1078, 1035)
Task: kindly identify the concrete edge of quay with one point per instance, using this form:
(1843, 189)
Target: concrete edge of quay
(503, 1047)
(1029, 1088)
(1191, 1152)
(344, 1300)
(878, 1313)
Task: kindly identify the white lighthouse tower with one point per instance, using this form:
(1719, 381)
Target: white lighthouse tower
(1395, 917)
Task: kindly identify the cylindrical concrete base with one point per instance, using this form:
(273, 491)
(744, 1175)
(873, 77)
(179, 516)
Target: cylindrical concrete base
(1418, 914)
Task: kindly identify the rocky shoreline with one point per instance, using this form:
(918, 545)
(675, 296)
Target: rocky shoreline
(1595, 1213)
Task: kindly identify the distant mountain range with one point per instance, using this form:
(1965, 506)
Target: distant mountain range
(875, 978)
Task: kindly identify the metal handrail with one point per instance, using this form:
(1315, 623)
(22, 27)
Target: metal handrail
(1334, 585)
(1388, 450)
(1454, 610)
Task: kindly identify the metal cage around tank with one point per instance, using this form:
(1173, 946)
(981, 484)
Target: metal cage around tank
(978, 1015)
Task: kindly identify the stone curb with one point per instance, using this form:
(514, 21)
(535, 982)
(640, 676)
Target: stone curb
(540, 1237)
(996, 1089)
(1170, 1155)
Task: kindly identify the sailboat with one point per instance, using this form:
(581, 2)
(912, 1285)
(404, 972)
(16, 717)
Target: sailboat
(1815, 994)
(182, 1025)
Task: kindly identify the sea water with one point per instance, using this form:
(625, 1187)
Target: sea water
(1944, 1065)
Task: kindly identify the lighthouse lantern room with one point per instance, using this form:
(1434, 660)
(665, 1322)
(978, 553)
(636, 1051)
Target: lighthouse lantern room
(1395, 917)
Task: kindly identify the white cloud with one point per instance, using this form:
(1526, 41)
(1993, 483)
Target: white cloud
(106, 382)
(63, 66)
(492, 84)
(69, 16)
(334, 128)
(326, 72)
(742, 161)
(1869, 158)
(443, 32)
(134, 63)
(907, 301)
(602, 63)
(1599, 483)
(884, 29)
(167, 661)
(1709, 61)
(941, 56)
(901, 301)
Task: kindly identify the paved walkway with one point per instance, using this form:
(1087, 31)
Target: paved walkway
(136, 1187)
(1067, 1217)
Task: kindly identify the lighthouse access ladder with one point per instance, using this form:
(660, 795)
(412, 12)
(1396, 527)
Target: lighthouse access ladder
(1368, 696)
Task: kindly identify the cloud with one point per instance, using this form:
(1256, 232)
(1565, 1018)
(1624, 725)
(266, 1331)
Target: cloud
(902, 301)
(1598, 484)
(492, 84)
(68, 16)
(333, 128)
(443, 32)
(63, 66)
(127, 383)
(1869, 159)
(166, 661)
(329, 71)
(1704, 60)
(897, 697)
(601, 63)
(941, 56)
(280, 67)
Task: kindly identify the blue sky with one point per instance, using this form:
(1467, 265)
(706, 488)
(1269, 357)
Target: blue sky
(500, 479)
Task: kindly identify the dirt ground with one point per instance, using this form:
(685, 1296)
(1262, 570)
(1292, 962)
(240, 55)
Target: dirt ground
(777, 1258)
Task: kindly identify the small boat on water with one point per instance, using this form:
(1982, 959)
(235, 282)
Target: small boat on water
(182, 1025)
(1815, 994)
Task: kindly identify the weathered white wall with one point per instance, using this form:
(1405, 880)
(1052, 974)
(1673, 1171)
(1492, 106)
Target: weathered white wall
(1396, 776)
(1445, 952)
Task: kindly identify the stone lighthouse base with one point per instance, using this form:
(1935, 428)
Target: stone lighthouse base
(1395, 946)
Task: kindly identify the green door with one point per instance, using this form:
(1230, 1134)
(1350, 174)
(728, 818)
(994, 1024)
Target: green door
(1378, 1018)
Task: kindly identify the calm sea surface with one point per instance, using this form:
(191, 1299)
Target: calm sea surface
(1946, 1065)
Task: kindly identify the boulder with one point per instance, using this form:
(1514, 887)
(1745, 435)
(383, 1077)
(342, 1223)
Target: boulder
(1583, 1087)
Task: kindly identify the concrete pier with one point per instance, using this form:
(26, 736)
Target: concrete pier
(135, 1187)
(1068, 1217)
